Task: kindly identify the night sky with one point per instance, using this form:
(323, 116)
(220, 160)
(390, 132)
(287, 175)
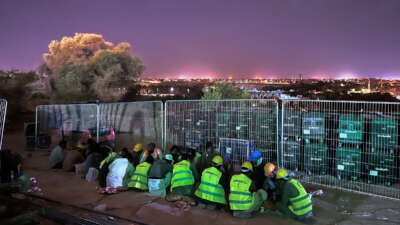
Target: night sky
(268, 38)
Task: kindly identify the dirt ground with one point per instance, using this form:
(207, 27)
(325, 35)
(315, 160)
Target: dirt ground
(334, 207)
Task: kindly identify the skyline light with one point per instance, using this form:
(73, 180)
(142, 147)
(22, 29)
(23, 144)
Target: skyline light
(214, 39)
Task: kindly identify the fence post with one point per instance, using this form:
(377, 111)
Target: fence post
(98, 123)
(4, 121)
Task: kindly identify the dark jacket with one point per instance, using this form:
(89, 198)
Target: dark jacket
(258, 176)
(159, 169)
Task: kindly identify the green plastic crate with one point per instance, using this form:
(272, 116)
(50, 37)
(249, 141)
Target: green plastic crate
(381, 167)
(313, 128)
(223, 125)
(351, 129)
(316, 158)
(348, 163)
(292, 155)
(264, 130)
(383, 133)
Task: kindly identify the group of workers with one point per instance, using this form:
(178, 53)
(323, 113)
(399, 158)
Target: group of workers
(208, 179)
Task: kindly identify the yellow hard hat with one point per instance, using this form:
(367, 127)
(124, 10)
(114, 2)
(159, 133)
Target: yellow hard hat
(269, 168)
(247, 165)
(138, 147)
(281, 173)
(217, 160)
(79, 145)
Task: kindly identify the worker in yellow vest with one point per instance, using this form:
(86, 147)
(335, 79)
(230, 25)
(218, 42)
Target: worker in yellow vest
(211, 191)
(295, 202)
(244, 199)
(182, 182)
(139, 179)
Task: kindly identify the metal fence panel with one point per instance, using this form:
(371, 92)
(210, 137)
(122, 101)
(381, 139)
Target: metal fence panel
(232, 126)
(3, 112)
(54, 122)
(343, 144)
(133, 122)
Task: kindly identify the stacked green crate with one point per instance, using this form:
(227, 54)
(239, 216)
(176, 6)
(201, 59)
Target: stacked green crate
(349, 151)
(264, 130)
(315, 148)
(242, 124)
(292, 141)
(223, 125)
(381, 156)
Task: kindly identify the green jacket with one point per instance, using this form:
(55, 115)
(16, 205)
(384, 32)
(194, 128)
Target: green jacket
(295, 197)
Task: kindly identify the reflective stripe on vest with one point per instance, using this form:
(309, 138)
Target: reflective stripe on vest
(240, 197)
(209, 188)
(301, 204)
(139, 179)
(181, 175)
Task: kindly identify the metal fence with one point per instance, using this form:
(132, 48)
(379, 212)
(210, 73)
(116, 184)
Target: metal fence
(134, 122)
(234, 127)
(131, 123)
(55, 122)
(343, 144)
(3, 112)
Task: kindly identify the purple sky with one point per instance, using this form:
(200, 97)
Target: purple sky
(215, 37)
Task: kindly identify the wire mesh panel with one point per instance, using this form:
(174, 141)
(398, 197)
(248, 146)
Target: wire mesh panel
(133, 122)
(224, 123)
(344, 144)
(3, 111)
(71, 122)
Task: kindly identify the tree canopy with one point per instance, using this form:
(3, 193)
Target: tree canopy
(86, 66)
(223, 91)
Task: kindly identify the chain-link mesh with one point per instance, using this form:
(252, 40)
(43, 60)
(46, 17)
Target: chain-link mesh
(343, 144)
(134, 122)
(234, 127)
(54, 122)
(121, 124)
(3, 111)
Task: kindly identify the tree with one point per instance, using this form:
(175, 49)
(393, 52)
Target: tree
(86, 66)
(223, 91)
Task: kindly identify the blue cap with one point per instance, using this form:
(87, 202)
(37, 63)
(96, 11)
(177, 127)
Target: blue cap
(254, 156)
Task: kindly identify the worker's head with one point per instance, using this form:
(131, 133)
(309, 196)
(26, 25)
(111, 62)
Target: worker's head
(175, 151)
(217, 161)
(256, 158)
(281, 174)
(247, 167)
(150, 147)
(169, 158)
(270, 170)
(124, 153)
(138, 148)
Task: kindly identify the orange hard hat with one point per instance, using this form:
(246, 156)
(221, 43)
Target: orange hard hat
(269, 169)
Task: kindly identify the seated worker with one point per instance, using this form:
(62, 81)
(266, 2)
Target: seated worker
(244, 199)
(270, 181)
(136, 154)
(139, 180)
(57, 155)
(206, 157)
(182, 182)
(258, 175)
(160, 176)
(104, 168)
(72, 157)
(295, 202)
(176, 153)
(120, 170)
(153, 151)
(211, 191)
